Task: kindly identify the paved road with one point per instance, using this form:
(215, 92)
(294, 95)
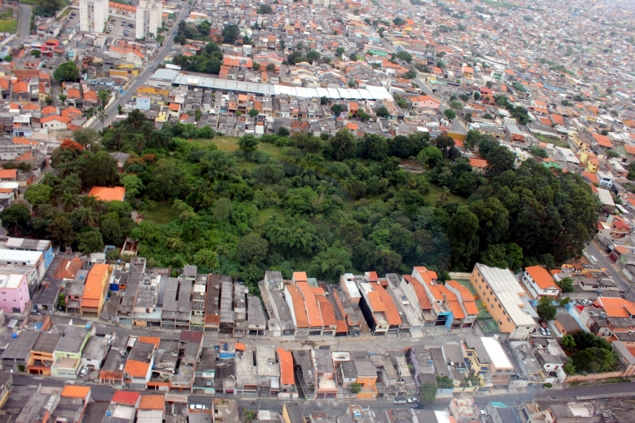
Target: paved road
(24, 26)
(603, 261)
(150, 67)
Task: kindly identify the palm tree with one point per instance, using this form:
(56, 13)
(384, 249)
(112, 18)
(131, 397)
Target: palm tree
(102, 117)
(86, 216)
(69, 200)
(89, 201)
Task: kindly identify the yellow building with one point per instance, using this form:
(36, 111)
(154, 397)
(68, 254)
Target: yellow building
(153, 91)
(590, 161)
(505, 300)
(583, 141)
(94, 295)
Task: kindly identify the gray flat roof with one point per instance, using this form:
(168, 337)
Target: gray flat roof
(20, 347)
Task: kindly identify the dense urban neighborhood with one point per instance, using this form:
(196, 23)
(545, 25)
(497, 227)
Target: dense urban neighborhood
(317, 211)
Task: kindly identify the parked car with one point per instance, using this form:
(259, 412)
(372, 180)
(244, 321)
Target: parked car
(83, 372)
(417, 407)
(542, 330)
(400, 400)
(412, 400)
(548, 331)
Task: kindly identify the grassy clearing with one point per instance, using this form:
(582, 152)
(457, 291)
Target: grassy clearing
(8, 25)
(482, 311)
(7, 14)
(163, 213)
(435, 194)
(558, 143)
(64, 13)
(502, 4)
(230, 144)
(265, 214)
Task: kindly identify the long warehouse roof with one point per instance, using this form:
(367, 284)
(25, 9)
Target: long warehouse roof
(367, 93)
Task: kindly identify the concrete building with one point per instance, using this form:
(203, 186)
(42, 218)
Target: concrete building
(14, 293)
(93, 15)
(503, 297)
(539, 282)
(149, 17)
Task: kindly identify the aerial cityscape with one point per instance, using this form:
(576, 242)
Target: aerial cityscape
(308, 211)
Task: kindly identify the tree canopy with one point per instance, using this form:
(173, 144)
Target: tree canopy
(66, 72)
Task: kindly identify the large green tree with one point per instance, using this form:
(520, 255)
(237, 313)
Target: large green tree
(67, 72)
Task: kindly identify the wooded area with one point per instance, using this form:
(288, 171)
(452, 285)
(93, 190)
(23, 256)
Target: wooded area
(319, 204)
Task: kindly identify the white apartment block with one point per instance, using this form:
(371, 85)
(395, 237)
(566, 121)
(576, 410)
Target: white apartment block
(149, 17)
(93, 15)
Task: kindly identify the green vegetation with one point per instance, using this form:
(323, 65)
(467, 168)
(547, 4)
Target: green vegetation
(566, 284)
(591, 354)
(428, 392)
(8, 25)
(554, 141)
(546, 310)
(326, 205)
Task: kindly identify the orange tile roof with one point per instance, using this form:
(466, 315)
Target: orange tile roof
(602, 140)
(8, 173)
(152, 402)
(56, 118)
(426, 275)
(301, 319)
(74, 93)
(108, 194)
(326, 311)
(74, 391)
(375, 302)
(93, 290)
(31, 106)
(286, 367)
(392, 313)
(478, 163)
(616, 307)
(557, 119)
(299, 276)
(466, 297)
(68, 269)
(420, 291)
(150, 340)
(90, 96)
(20, 87)
(125, 397)
(542, 277)
(592, 177)
(312, 309)
(49, 110)
(137, 368)
(175, 107)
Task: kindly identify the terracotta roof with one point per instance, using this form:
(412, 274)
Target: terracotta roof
(592, 177)
(375, 302)
(90, 95)
(175, 107)
(392, 313)
(20, 87)
(93, 289)
(74, 93)
(617, 307)
(125, 397)
(452, 301)
(602, 140)
(152, 402)
(48, 110)
(150, 340)
(478, 163)
(136, 368)
(326, 311)
(73, 391)
(68, 269)
(420, 291)
(286, 367)
(8, 173)
(301, 319)
(108, 194)
(63, 119)
(299, 276)
(466, 297)
(312, 309)
(542, 277)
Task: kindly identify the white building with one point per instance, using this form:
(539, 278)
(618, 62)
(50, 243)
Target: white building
(149, 17)
(93, 15)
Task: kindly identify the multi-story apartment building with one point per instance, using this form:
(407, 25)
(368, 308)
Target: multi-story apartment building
(93, 15)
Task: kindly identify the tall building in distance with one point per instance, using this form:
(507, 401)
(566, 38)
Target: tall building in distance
(149, 17)
(93, 15)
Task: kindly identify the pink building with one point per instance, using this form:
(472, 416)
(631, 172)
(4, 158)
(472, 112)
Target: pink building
(14, 293)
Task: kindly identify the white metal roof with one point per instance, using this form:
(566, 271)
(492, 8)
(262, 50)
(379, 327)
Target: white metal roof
(507, 289)
(19, 256)
(605, 197)
(496, 353)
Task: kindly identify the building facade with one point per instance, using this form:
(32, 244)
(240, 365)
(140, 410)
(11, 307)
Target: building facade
(93, 15)
(149, 17)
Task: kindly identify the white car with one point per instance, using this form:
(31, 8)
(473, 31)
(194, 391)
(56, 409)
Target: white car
(83, 372)
(412, 400)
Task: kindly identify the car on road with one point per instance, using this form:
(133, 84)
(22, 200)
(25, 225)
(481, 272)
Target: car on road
(400, 400)
(412, 400)
(417, 407)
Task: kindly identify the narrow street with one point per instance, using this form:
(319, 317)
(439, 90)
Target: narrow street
(603, 261)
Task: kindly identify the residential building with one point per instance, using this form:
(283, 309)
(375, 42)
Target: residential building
(539, 282)
(68, 353)
(379, 310)
(6, 385)
(487, 361)
(606, 179)
(93, 15)
(149, 18)
(94, 294)
(41, 358)
(17, 354)
(505, 300)
(287, 375)
(30, 262)
(72, 404)
(324, 380)
(14, 292)
(268, 370)
(108, 194)
(141, 359)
